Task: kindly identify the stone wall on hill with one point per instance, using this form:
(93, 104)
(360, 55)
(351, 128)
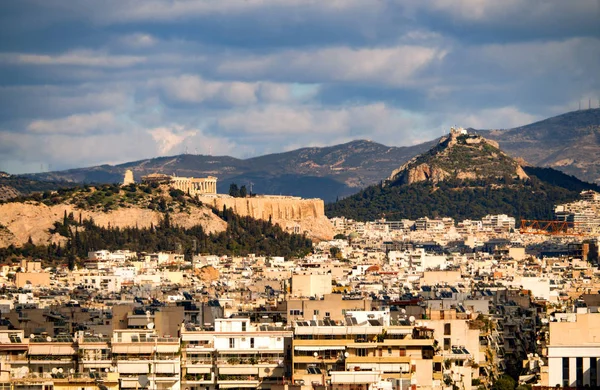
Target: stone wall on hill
(291, 213)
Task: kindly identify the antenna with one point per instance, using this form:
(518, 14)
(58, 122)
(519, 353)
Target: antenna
(210, 150)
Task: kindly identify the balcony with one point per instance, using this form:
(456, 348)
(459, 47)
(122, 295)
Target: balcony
(197, 379)
(237, 381)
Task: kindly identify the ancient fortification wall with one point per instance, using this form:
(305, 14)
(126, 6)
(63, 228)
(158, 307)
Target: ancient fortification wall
(293, 214)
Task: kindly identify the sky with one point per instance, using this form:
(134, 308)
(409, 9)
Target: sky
(90, 82)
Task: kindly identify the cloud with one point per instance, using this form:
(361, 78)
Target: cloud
(363, 121)
(132, 78)
(74, 58)
(495, 118)
(167, 138)
(79, 124)
(395, 65)
(194, 89)
(138, 40)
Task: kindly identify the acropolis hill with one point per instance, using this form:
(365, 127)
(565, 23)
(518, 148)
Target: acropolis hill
(143, 205)
(294, 214)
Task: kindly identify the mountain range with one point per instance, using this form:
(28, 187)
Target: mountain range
(568, 142)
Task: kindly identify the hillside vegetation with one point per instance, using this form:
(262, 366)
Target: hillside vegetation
(464, 199)
(242, 236)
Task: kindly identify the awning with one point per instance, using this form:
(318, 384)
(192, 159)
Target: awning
(318, 348)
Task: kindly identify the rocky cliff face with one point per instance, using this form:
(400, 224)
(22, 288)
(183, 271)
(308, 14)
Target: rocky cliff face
(458, 156)
(19, 221)
(293, 214)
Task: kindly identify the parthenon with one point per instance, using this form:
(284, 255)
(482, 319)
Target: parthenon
(195, 186)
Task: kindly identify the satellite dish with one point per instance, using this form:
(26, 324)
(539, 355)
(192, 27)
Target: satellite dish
(315, 354)
(346, 354)
(54, 370)
(411, 319)
(32, 337)
(72, 370)
(148, 312)
(150, 325)
(541, 363)
(403, 311)
(143, 380)
(48, 339)
(100, 335)
(60, 370)
(468, 312)
(106, 370)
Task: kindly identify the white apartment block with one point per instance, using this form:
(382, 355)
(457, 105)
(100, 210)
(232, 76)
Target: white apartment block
(574, 351)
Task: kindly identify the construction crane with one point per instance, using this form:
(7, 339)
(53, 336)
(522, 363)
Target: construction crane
(550, 228)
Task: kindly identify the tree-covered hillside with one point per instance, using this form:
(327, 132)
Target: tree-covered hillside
(243, 235)
(531, 199)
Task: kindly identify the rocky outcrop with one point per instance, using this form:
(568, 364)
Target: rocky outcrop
(8, 192)
(421, 172)
(23, 220)
(291, 213)
(458, 156)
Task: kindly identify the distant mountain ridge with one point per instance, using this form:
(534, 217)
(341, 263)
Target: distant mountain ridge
(316, 172)
(568, 142)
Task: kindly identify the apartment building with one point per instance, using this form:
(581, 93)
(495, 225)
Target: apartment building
(327, 352)
(142, 353)
(237, 354)
(574, 360)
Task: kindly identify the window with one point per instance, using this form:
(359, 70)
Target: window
(446, 344)
(565, 371)
(231, 342)
(389, 351)
(243, 326)
(361, 352)
(402, 351)
(447, 329)
(316, 312)
(579, 371)
(327, 315)
(295, 312)
(251, 342)
(593, 371)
